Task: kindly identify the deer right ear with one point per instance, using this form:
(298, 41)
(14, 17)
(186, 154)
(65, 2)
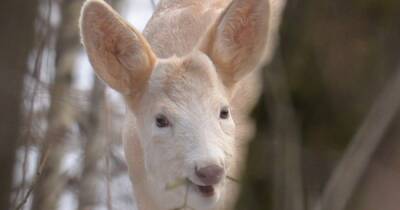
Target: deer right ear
(119, 53)
(237, 40)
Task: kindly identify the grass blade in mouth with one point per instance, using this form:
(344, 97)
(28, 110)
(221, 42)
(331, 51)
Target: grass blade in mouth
(185, 205)
(177, 183)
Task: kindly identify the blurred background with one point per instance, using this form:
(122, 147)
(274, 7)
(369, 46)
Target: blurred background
(69, 153)
(328, 121)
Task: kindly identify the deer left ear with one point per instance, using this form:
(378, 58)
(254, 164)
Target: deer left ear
(119, 53)
(237, 40)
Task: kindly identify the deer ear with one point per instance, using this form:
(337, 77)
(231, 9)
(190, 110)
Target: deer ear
(237, 40)
(119, 53)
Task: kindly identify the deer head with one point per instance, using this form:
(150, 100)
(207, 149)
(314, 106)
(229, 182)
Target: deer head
(180, 105)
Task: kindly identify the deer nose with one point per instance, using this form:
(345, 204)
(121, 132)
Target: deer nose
(210, 175)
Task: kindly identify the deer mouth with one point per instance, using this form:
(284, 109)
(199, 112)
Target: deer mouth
(204, 190)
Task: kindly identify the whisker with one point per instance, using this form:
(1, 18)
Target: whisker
(228, 153)
(233, 179)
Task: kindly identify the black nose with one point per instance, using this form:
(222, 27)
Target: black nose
(210, 175)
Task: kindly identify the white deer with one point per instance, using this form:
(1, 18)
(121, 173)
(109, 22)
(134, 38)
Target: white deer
(187, 80)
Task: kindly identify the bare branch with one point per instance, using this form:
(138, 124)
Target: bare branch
(95, 146)
(347, 174)
(25, 199)
(50, 182)
(153, 4)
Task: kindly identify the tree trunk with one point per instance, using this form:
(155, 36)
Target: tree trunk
(96, 148)
(16, 40)
(61, 116)
(286, 142)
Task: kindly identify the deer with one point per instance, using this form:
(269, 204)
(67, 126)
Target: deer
(189, 82)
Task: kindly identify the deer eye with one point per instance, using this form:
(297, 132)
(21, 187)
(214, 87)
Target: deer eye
(162, 121)
(224, 113)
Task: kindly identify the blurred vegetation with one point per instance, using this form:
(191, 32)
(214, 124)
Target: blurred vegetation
(338, 54)
(69, 148)
(335, 56)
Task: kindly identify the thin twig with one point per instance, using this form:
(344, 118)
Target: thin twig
(153, 4)
(44, 160)
(25, 199)
(109, 138)
(108, 180)
(33, 185)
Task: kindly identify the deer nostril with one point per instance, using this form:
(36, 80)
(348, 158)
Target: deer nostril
(210, 175)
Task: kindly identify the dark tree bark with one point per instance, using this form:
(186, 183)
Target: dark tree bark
(16, 40)
(286, 142)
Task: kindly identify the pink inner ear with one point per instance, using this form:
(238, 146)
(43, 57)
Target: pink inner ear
(127, 53)
(110, 36)
(240, 25)
(245, 32)
(117, 51)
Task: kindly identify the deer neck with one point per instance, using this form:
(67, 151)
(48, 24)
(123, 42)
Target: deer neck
(134, 155)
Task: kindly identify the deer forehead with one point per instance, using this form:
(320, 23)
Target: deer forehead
(191, 78)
